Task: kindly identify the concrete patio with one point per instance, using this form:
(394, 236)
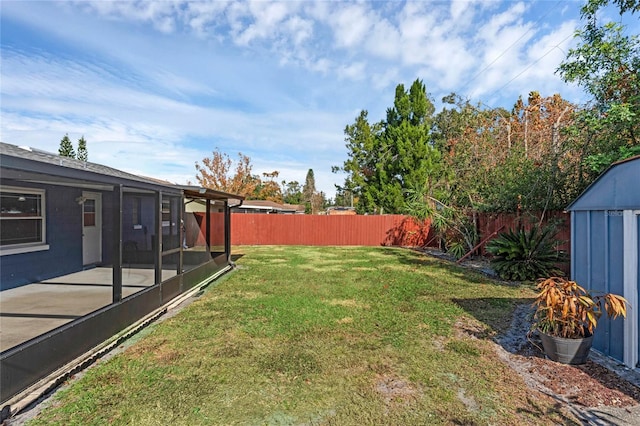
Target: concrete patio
(31, 310)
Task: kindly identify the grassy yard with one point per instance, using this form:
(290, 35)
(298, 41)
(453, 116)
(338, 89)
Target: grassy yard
(310, 335)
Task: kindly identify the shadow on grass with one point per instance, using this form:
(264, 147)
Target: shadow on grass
(543, 412)
(495, 312)
(419, 258)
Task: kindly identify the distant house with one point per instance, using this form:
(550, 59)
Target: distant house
(61, 217)
(605, 253)
(267, 207)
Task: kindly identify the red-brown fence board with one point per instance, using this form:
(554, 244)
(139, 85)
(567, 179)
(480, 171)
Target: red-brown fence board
(312, 230)
(490, 222)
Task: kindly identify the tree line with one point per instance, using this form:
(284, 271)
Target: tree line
(221, 173)
(539, 155)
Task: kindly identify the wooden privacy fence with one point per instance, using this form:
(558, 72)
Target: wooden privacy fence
(487, 223)
(385, 230)
(275, 229)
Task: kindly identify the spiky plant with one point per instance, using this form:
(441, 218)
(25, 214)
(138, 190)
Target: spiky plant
(521, 255)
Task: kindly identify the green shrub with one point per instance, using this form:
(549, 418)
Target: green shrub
(526, 255)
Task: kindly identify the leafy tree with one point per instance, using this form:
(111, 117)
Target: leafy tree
(66, 147)
(606, 63)
(344, 197)
(268, 188)
(216, 173)
(318, 202)
(82, 154)
(292, 192)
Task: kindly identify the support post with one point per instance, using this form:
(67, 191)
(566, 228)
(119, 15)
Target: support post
(207, 227)
(227, 232)
(117, 244)
(157, 249)
(183, 237)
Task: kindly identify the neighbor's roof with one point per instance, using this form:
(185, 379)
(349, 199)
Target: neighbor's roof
(615, 189)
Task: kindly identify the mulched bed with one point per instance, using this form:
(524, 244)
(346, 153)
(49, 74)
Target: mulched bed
(590, 385)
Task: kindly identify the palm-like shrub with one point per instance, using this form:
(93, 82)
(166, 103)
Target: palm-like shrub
(564, 309)
(521, 255)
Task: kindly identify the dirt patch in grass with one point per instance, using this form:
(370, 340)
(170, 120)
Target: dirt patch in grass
(395, 391)
(348, 303)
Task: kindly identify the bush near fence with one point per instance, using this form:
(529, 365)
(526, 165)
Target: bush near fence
(488, 223)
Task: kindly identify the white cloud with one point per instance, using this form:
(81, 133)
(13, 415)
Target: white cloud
(300, 29)
(386, 78)
(354, 71)
(279, 80)
(160, 14)
(384, 40)
(266, 19)
(350, 24)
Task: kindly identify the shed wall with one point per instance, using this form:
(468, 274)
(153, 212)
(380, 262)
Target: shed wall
(597, 264)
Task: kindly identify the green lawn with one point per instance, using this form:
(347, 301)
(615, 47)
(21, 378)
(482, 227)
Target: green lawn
(319, 335)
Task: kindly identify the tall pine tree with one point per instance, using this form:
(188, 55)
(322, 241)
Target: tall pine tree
(82, 154)
(66, 147)
(390, 159)
(308, 191)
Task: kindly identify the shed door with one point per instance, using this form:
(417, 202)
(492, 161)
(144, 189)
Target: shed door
(91, 228)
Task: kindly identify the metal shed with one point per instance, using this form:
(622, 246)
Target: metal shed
(605, 237)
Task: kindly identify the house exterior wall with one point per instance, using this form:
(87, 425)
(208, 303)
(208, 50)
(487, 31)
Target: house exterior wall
(63, 234)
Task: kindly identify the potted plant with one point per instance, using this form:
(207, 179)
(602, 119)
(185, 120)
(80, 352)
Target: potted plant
(566, 316)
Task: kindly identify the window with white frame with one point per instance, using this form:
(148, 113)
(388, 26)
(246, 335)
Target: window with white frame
(22, 217)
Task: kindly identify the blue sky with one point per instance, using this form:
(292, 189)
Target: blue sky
(156, 86)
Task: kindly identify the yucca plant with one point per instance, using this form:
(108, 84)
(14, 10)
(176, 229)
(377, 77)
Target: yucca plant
(564, 309)
(521, 255)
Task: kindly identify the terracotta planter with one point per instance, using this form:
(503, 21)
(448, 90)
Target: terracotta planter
(566, 351)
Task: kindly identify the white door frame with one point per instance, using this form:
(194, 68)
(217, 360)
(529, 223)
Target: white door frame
(630, 274)
(92, 237)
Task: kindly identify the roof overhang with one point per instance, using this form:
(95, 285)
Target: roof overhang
(211, 194)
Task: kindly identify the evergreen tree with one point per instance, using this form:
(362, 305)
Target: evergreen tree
(309, 191)
(66, 147)
(392, 158)
(361, 140)
(82, 154)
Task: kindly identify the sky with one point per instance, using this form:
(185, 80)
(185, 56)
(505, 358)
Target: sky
(156, 86)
